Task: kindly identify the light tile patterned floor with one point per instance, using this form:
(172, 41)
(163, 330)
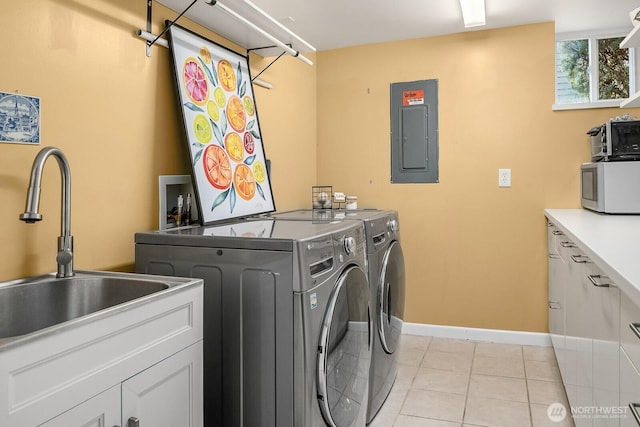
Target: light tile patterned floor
(451, 383)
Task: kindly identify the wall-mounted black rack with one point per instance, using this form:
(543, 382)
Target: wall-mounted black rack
(207, 13)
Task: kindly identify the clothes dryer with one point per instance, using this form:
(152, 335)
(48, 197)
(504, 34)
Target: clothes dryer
(387, 289)
(287, 328)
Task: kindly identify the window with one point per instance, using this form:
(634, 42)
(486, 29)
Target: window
(592, 72)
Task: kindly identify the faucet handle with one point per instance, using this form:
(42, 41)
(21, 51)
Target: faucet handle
(64, 257)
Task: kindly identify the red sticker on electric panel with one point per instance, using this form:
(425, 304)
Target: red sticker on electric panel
(413, 97)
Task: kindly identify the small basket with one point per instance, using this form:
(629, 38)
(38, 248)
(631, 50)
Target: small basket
(321, 197)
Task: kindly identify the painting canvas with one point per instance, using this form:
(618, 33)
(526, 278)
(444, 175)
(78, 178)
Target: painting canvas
(222, 130)
(19, 119)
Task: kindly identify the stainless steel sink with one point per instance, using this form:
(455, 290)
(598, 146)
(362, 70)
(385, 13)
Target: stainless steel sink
(29, 305)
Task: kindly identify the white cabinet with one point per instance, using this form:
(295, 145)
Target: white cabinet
(629, 391)
(167, 394)
(143, 359)
(557, 269)
(578, 342)
(586, 339)
(612, 242)
(629, 360)
(605, 326)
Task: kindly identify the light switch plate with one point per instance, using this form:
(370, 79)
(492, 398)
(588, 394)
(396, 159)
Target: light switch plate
(504, 177)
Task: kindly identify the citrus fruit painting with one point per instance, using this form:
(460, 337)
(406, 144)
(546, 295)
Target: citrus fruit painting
(227, 75)
(195, 81)
(233, 143)
(244, 182)
(202, 128)
(235, 114)
(217, 167)
(221, 128)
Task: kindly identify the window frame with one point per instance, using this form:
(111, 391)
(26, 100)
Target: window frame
(593, 37)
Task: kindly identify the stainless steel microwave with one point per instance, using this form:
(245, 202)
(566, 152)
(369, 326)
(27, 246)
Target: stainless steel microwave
(611, 187)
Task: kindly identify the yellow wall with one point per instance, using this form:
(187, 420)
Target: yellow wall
(475, 253)
(113, 113)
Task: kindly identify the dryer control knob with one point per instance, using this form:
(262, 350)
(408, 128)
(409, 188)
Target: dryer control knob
(349, 245)
(392, 225)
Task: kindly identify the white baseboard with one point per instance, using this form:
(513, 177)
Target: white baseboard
(476, 334)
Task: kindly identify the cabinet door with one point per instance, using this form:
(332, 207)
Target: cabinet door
(102, 410)
(629, 359)
(569, 375)
(605, 314)
(167, 394)
(557, 279)
(629, 391)
(579, 342)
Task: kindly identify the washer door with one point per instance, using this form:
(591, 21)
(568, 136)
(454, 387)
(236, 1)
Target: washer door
(344, 351)
(391, 297)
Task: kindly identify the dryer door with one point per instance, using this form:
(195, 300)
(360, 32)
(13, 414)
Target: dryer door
(390, 310)
(344, 353)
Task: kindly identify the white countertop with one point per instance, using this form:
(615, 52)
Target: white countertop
(611, 241)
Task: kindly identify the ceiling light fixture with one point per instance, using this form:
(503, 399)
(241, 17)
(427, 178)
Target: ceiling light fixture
(473, 13)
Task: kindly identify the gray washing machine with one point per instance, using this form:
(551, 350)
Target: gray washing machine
(387, 286)
(287, 326)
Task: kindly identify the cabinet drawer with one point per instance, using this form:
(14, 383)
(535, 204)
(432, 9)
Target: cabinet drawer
(630, 319)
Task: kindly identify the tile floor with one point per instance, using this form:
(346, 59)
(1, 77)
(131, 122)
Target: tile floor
(446, 382)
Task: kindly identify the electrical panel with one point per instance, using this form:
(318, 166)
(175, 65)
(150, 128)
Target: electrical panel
(414, 132)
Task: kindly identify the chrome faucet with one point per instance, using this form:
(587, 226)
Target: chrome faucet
(31, 214)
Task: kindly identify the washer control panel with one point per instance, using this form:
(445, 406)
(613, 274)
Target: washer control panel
(349, 245)
(324, 256)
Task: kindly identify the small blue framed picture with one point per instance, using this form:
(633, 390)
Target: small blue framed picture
(19, 119)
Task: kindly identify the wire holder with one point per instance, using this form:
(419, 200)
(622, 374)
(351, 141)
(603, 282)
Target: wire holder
(321, 197)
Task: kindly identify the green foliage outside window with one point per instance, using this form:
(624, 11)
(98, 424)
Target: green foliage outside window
(575, 64)
(613, 67)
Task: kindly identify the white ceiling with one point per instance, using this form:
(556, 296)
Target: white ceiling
(331, 24)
